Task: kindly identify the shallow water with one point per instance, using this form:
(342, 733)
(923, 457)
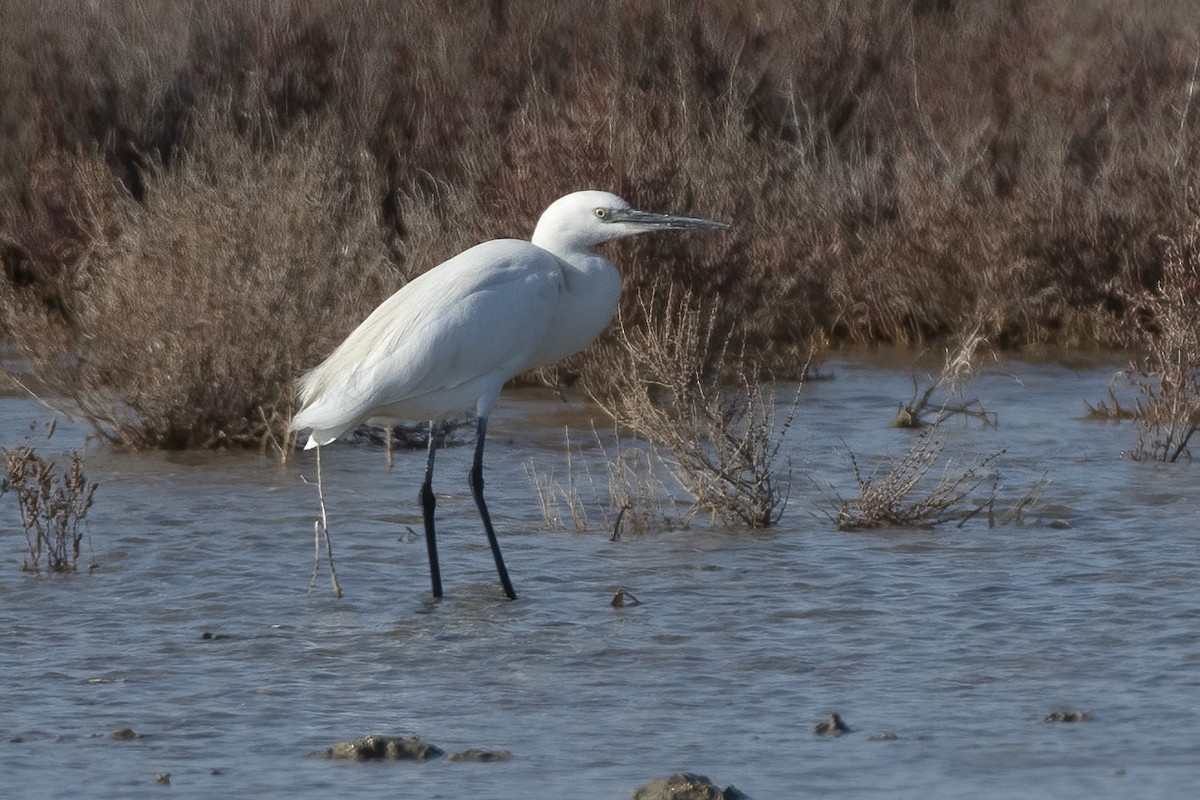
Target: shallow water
(957, 640)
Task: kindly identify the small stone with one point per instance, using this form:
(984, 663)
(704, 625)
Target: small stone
(123, 733)
(1067, 715)
(162, 777)
(1060, 525)
(834, 726)
(886, 736)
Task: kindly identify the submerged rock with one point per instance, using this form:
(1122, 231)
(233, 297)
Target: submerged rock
(124, 733)
(1067, 715)
(162, 777)
(685, 786)
(403, 748)
(481, 756)
(624, 598)
(383, 748)
(834, 726)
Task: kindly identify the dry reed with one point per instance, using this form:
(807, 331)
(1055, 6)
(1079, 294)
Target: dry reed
(1168, 375)
(53, 503)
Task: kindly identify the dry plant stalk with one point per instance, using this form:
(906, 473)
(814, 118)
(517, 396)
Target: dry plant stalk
(1111, 409)
(641, 500)
(552, 495)
(53, 505)
(1168, 376)
(321, 531)
(723, 442)
(955, 373)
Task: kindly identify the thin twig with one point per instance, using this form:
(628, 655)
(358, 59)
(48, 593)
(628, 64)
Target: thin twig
(321, 526)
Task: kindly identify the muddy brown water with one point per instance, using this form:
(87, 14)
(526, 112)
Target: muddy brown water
(957, 641)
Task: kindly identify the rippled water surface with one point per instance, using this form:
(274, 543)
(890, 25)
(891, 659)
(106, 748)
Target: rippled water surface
(956, 640)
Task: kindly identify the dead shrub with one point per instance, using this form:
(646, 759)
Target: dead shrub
(723, 440)
(901, 491)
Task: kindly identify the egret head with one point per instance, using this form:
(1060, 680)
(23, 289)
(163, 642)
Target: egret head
(583, 219)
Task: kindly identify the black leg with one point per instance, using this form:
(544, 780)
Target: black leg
(428, 504)
(476, 481)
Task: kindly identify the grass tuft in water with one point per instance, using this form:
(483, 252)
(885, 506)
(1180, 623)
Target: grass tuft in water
(53, 504)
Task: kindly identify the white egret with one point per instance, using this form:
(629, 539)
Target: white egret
(448, 340)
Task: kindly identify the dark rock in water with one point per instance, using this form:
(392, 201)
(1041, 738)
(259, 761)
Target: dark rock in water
(481, 756)
(384, 748)
(123, 733)
(209, 636)
(162, 777)
(404, 748)
(834, 726)
(1067, 715)
(685, 786)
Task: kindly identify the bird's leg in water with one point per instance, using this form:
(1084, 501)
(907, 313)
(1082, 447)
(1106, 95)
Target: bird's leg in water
(428, 503)
(476, 480)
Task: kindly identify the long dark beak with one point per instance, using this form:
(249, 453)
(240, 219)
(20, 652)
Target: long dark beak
(650, 221)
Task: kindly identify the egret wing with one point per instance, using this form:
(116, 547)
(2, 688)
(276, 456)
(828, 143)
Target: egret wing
(440, 342)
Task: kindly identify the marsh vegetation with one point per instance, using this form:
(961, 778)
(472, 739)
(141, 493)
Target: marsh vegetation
(198, 201)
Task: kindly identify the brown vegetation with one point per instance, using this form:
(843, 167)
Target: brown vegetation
(902, 492)
(52, 502)
(198, 199)
(1168, 376)
(668, 384)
